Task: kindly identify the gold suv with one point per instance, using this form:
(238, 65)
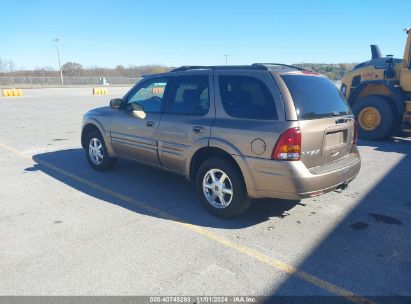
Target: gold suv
(239, 132)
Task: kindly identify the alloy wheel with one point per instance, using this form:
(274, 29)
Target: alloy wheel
(96, 151)
(217, 188)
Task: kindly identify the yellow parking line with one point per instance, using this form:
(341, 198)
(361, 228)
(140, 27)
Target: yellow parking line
(275, 263)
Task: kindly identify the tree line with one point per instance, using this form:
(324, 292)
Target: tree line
(331, 70)
(74, 69)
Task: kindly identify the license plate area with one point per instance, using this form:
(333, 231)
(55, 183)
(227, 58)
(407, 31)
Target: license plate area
(335, 139)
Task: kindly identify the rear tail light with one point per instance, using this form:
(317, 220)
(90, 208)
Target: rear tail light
(355, 137)
(288, 146)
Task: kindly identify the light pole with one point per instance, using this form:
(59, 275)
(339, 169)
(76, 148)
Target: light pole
(56, 40)
(226, 58)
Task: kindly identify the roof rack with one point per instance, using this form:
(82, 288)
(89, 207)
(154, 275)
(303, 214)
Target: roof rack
(254, 66)
(278, 64)
(220, 67)
(190, 67)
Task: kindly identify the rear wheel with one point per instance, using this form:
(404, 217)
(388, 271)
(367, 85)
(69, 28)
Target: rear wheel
(221, 188)
(375, 116)
(96, 152)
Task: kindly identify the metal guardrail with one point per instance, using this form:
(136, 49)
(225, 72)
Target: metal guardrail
(67, 81)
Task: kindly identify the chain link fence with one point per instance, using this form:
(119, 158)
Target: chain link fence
(27, 82)
(33, 82)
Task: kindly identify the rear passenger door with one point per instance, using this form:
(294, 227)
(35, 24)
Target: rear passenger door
(250, 113)
(187, 118)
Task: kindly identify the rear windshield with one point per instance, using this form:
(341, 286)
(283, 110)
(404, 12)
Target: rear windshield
(315, 97)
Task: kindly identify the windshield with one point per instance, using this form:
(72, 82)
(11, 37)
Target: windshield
(315, 97)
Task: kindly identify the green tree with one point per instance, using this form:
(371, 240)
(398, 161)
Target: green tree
(72, 69)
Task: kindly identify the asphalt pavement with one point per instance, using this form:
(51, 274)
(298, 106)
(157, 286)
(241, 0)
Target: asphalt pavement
(66, 229)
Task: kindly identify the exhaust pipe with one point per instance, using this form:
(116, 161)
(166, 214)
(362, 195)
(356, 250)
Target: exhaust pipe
(342, 187)
(375, 52)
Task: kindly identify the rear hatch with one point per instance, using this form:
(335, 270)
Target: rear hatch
(326, 121)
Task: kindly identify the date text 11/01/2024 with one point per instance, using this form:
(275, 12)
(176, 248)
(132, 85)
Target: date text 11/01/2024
(203, 299)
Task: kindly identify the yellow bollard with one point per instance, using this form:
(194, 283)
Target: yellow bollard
(12, 92)
(100, 91)
(7, 92)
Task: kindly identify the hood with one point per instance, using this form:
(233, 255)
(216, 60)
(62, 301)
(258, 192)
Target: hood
(103, 111)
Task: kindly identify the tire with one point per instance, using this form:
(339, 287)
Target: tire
(106, 162)
(387, 117)
(235, 204)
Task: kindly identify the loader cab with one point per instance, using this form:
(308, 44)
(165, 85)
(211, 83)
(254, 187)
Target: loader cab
(405, 79)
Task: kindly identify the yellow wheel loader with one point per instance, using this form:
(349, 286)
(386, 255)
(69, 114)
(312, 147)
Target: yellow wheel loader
(379, 92)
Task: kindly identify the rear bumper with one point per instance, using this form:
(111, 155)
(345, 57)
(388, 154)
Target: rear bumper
(293, 180)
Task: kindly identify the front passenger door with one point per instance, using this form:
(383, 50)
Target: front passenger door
(134, 129)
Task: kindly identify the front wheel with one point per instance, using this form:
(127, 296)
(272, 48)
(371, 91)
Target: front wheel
(221, 188)
(375, 116)
(96, 152)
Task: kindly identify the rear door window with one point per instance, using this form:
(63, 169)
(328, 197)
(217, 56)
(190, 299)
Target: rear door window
(315, 97)
(189, 95)
(246, 97)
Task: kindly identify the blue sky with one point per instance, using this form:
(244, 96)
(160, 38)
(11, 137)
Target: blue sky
(107, 33)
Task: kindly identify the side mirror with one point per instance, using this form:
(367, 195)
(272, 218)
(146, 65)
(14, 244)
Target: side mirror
(115, 103)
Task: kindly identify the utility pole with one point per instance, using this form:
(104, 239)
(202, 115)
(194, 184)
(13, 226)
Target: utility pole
(57, 40)
(226, 58)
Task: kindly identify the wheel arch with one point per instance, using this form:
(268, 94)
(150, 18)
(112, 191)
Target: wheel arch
(86, 130)
(208, 152)
(91, 125)
(379, 88)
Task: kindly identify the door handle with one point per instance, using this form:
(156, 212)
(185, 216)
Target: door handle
(150, 123)
(198, 129)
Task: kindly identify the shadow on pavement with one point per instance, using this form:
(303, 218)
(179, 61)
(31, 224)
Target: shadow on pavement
(164, 191)
(392, 144)
(369, 251)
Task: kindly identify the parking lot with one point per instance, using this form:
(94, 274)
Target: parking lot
(66, 229)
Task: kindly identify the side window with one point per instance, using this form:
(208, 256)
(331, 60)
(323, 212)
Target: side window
(148, 95)
(190, 95)
(246, 97)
